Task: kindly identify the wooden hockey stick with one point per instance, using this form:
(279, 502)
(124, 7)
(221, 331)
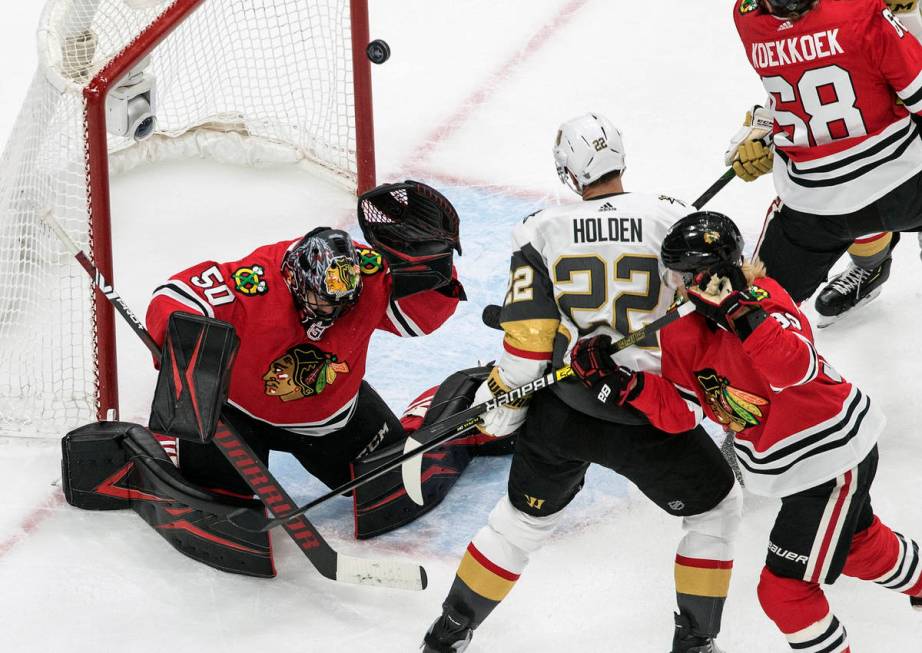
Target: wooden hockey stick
(330, 563)
(431, 436)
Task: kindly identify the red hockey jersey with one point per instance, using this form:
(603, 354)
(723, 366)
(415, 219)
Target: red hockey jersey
(833, 76)
(797, 423)
(307, 385)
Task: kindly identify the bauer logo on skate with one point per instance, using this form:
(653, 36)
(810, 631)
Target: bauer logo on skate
(301, 372)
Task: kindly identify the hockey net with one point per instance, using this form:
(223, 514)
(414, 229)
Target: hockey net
(255, 82)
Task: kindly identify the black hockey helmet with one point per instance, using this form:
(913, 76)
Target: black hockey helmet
(703, 242)
(323, 275)
(788, 8)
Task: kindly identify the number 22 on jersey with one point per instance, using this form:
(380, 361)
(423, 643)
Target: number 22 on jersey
(588, 299)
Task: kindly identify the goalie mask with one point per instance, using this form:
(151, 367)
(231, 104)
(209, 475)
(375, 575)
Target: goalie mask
(587, 148)
(323, 275)
(702, 244)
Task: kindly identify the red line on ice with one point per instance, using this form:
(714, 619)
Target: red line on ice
(33, 520)
(479, 96)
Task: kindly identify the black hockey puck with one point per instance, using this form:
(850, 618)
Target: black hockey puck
(491, 316)
(378, 51)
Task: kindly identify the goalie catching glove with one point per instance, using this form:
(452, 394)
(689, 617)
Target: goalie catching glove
(750, 152)
(503, 420)
(592, 363)
(415, 228)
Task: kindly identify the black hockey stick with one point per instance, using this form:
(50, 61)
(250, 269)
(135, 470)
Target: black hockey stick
(330, 563)
(715, 188)
(431, 436)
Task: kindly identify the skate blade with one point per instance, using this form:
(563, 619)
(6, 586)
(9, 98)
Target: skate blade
(824, 321)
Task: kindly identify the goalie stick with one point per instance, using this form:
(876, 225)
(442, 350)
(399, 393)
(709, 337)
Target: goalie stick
(327, 561)
(430, 437)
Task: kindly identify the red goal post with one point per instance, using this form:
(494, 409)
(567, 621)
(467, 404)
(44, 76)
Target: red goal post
(256, 82)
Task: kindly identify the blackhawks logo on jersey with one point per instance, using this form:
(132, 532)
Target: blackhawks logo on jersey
(369, 261)
(747, 6)
(249, 281)
(758, 293)
(734, 408)
(301, 372)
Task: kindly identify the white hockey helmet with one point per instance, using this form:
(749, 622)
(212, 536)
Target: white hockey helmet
(587, 147)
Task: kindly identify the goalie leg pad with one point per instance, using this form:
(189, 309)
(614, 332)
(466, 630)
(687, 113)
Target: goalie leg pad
(382, 505)
(198, 354)
(120, 465)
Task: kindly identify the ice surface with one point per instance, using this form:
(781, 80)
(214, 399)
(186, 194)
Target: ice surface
(469, 101)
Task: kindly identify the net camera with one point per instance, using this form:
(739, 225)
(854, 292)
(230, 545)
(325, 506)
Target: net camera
(131, 105)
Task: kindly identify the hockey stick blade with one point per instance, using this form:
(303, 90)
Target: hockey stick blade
(322, 556)
(452, 426)
(715, 188)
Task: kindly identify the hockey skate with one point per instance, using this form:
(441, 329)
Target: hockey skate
(849, 290)
(451, 633)
(685, 640)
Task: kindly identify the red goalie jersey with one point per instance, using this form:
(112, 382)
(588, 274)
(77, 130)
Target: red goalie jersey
(281, 376)
(833, 76)
(796, 422)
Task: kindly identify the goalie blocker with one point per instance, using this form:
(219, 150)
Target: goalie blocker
(195, 367)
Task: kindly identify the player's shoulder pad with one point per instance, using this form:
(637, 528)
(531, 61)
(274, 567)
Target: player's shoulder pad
(249, 278)
(370, 260)
(769, 291)
(744, 7)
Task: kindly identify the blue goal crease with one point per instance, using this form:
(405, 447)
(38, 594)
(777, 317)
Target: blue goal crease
(401, 368)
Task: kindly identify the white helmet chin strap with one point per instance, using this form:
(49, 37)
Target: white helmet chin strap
(569, 180)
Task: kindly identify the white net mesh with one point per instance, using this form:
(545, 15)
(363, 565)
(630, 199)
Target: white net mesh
(250, 81)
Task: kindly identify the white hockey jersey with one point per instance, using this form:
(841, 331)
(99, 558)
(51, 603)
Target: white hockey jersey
(585, 269)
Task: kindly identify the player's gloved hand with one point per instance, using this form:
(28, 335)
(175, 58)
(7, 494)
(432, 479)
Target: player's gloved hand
(750, 152)
(592, 364)
(503, 420)
(737, 311)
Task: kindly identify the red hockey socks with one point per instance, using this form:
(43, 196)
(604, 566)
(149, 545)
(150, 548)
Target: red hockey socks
(801, 612)
(889, 559)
